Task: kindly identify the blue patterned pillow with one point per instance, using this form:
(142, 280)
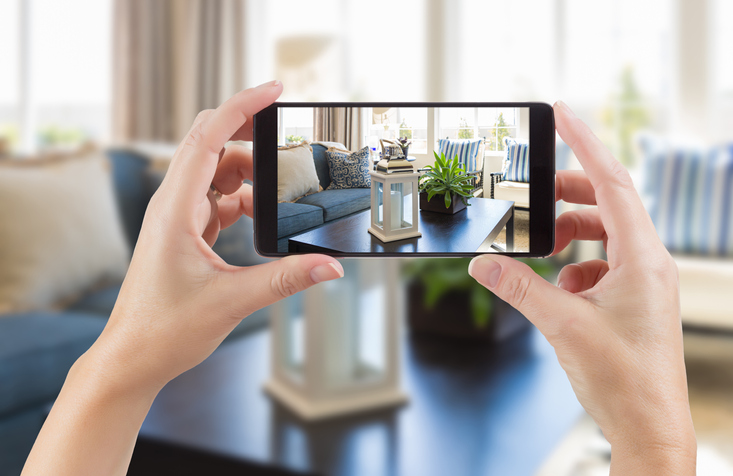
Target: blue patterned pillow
(349, 169)
(516, 164)
(689, 195)
(467, 151)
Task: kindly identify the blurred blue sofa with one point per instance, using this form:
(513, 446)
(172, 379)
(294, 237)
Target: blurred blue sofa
(316, 209)
(37, 349)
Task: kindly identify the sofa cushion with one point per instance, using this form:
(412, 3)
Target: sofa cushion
(60, 230)
(349, 169)
(36, 352)
(516, 164)
(321, 160)
(129, 171)
(688, 191)
(467, 150)
(296, 217)
(296, 173)
(339, 203)
(100, 301)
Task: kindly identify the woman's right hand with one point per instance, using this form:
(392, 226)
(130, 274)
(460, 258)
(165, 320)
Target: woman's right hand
(615, 325)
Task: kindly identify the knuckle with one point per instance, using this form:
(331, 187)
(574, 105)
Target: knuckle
(620, 175)
(516, 289)
(284, 284)
(195, 135)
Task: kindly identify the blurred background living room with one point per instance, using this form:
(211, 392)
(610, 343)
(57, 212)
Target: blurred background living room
(405, 366)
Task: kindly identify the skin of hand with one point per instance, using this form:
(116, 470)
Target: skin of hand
(178, 301)
(615, 325)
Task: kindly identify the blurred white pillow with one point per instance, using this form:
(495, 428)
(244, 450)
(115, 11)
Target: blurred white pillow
(296, 172)
(60, 232)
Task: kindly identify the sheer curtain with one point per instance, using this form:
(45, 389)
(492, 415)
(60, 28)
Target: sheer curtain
(339, 124)
(173, 58)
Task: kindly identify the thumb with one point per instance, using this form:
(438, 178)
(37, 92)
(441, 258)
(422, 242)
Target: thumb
(258, 286)
(517, 284)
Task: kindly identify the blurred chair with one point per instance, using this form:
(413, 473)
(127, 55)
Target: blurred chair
(688, 191)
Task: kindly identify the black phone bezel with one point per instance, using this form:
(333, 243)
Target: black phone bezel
(541, 192)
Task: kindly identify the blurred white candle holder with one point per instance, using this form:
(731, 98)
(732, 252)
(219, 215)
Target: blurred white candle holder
(335, 347)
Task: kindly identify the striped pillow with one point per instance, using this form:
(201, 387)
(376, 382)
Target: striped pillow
(689, 195)
(516, 164)
(466, 149)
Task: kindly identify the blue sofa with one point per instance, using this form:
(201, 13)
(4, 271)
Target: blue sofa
(38, 348)
(314, 210)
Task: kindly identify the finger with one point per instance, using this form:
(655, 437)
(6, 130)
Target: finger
(234, 168)
(209, 222)
(517, 284)
(583, 224)
(629, 228)
(258, 286)
(573, 186)
(579, 277)
(193, 168)
(233, 206)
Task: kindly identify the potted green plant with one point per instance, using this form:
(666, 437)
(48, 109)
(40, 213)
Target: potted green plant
(404, 144)
(446, 179)
(444, 300)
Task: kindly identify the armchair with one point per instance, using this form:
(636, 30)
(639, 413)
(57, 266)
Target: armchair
(501, 189)
(470, 153)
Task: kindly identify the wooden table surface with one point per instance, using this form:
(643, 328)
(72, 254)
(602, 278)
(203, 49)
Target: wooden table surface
(463, 232)
(473, 410)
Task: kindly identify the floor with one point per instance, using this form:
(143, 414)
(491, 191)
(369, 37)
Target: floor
(709, 360)
(521, 232)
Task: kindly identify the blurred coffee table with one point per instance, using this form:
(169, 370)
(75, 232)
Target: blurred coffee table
(467, 231)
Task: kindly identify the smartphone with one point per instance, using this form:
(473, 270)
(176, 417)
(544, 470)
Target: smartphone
(367, 179)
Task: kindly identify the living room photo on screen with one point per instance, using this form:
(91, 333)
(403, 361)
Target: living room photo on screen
(403, 179)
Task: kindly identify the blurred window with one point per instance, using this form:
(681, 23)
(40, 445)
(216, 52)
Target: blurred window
(68, 91)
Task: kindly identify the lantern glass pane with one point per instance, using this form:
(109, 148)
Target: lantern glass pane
(378, 210)
(355, 322)
(401, 206)
(293, 345)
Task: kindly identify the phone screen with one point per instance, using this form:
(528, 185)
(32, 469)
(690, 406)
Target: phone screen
(408, 179)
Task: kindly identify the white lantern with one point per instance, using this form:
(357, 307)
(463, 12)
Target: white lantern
(335, 346)
(394, 205)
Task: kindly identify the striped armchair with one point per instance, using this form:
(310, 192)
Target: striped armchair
(512, 183)
(470, 154)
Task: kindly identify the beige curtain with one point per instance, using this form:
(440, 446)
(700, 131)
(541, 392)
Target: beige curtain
(173, 58)
(339, 124)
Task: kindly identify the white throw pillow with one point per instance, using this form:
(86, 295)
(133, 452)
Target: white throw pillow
(296, 172)
(60, 232)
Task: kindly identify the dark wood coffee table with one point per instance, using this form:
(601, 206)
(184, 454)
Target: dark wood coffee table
(467, 231)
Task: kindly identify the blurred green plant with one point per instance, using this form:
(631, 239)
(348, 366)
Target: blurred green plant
(500, 131)
(447, 178)
(292, 139)
(464, 131)
(9, 136)
(54, 136)
(441, 276)
(626, 114)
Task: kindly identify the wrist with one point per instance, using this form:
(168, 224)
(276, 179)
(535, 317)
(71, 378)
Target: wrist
(669, 448)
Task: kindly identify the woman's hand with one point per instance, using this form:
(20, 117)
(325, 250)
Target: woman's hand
(615, 325)
(178, 301)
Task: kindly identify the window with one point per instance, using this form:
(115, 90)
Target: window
(295, 125)
(397, 122)
(490, 124)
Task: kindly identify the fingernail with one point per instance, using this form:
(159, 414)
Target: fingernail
(562, 285)
(485, 270)
(327, 272)
(269, 84)
(565, 107)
